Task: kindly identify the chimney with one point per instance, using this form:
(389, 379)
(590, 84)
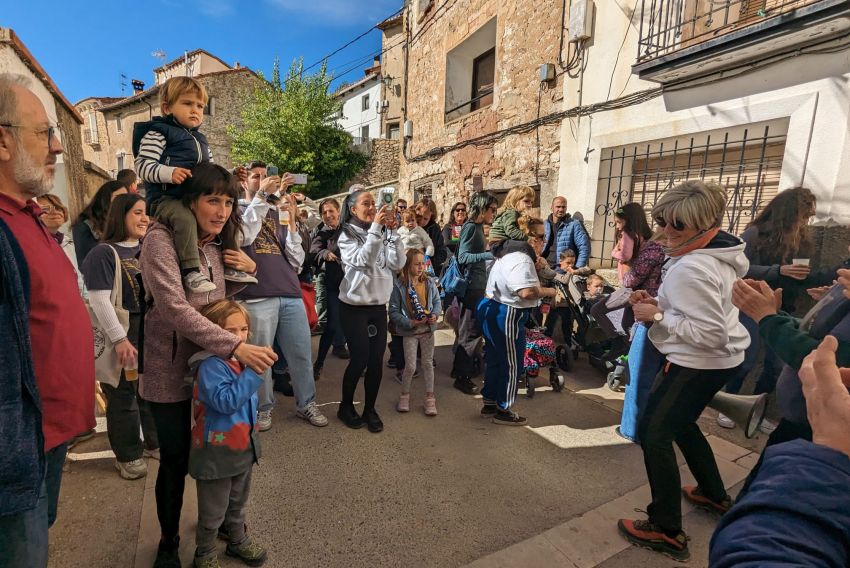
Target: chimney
(138, 86)
(236, 65)
(376, 61)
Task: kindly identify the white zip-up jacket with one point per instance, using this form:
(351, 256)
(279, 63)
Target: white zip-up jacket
(700, 327)
(369, 264)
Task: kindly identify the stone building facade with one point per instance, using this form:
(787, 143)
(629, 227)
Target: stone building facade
(107, 128)
(447, 45)
(392, 71)
(382, 167)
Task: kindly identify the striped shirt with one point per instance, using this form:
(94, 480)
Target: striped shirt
(147, 162)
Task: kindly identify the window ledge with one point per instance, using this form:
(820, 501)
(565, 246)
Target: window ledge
(469, 114)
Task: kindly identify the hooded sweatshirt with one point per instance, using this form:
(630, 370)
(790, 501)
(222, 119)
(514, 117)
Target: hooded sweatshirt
(369, 264)
(700, 327)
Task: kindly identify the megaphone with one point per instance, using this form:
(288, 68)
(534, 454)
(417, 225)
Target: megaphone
(746, 410)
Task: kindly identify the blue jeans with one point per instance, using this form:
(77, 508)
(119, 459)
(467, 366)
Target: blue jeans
(23, 536)
(284, 319)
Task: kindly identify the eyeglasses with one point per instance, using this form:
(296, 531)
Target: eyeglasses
(52, 132)
(678, 225)
(460, 210)
(49, 210)
(401, 206)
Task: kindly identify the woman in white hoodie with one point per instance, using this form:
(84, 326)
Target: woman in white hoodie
(696, 327)
(371, 254)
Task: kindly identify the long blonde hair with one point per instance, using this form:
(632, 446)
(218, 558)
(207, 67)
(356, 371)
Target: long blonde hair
(404, 275)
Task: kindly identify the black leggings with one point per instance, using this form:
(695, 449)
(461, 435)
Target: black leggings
(174, 428)
(367, 352)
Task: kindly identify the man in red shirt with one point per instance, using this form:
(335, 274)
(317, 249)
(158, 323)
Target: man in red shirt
(60, 333)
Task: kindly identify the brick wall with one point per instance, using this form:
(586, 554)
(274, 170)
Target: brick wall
(382, 166)
(527, 34)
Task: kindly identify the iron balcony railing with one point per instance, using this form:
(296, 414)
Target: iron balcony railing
(669, 25)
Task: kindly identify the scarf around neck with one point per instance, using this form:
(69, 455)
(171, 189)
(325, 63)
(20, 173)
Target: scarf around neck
(698, 241)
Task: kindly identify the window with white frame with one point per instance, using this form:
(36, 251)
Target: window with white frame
(119, 123)
(120, 159)
(209, 110)
(364, 102)
(92, 134)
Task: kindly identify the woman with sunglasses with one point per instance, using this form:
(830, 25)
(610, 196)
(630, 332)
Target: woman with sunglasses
(451, 232)
(695, 326)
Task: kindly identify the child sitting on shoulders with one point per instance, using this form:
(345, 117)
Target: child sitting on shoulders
(413, 236)
(166, 148)
(414, 308)
(225, 444)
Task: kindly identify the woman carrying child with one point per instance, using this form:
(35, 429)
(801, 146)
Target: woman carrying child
(505, 226)
(225, 444)
(639, 262)
(414, 309)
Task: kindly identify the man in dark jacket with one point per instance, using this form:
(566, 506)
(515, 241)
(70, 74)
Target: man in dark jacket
(47, 360)
(563, 232)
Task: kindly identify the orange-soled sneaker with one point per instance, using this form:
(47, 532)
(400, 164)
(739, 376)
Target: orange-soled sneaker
(694, 494)
(649, 535)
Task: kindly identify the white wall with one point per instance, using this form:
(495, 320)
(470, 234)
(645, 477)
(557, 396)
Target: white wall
(353, 117)
(811, 92)
(11, 63)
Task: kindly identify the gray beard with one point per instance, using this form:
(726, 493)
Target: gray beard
(33, 179)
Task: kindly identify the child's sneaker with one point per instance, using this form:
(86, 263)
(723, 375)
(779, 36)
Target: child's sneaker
(239, 276)
(430, 406)
(198, 283)
(248, 552)
(403, 403)
(206, 562)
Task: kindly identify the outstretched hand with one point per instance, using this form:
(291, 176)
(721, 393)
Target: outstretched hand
(756, 299)
(827, 400)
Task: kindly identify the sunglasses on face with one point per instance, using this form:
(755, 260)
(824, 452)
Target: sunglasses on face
(678, 225)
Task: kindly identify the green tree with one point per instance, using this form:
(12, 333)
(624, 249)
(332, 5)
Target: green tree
(289, 123)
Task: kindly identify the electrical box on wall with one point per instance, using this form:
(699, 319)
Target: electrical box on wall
(581, 20)
(408, 129)
(547, 72)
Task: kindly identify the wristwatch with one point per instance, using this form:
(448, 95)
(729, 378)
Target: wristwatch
(658, 316)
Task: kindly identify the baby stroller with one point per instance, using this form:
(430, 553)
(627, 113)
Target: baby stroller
(541, 352)
(588, 336)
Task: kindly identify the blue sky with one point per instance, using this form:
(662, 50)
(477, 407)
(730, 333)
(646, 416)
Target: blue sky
(86, 46)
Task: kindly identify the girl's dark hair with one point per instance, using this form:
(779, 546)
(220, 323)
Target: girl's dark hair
(115, 226)
(346, 215)
(636, 225)
(478, 204)
(211, 179)
(98, 207)
(452, 213)
(783, 225)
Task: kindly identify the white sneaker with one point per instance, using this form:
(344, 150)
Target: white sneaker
(233, 275)
(264, 420)
(767, 426)
(197, 282)
(313, 415)
(724, 421)
(135, 469)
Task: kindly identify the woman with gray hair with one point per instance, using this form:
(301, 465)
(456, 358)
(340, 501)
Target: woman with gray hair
(696, 328)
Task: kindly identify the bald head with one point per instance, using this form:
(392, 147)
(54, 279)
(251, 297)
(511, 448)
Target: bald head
(559, 207)
(29, 143)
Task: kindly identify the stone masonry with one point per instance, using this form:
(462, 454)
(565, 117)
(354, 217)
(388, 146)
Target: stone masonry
(382, 165)
(527, 35)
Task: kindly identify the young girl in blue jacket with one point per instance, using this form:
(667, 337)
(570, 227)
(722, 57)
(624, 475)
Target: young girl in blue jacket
(414, 309)
(225, 443)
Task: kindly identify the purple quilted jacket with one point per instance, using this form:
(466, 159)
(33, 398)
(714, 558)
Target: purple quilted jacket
(646, 269)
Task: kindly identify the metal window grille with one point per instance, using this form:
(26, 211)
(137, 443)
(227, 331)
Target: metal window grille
(669, 25)
(747, 162)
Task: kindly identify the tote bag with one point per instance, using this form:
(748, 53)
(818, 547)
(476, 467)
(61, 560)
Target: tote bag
(107, 369)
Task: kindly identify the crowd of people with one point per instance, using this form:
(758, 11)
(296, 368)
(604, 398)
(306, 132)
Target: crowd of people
(223, 276)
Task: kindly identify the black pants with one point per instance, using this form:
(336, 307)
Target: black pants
(469, 335)
(367, 351)
(174, 427)
(565, 316)
(785, 432)
(600, 312)
(677, 399)
(125, 412)
(332, 334)
(397, 350)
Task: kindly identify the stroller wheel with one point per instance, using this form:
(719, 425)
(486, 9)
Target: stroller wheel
(615, 381)
(529, 386)
(556, 380)
(564, 358)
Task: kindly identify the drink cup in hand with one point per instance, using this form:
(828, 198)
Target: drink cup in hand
(131, 369)
(800, 261)
(283, 216)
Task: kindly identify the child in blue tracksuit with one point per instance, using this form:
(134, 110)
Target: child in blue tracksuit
(225, 443)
